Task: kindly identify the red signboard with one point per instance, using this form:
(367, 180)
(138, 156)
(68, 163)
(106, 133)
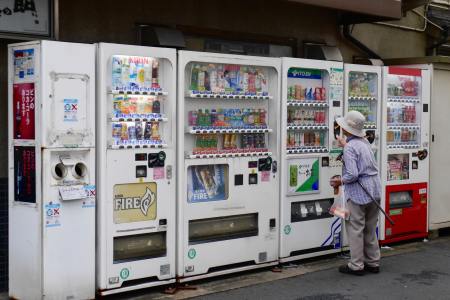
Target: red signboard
(24, 111)
(405, 71)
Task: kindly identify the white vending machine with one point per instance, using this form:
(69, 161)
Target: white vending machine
(135, 167)
(363, 94)
(312, 99)
(51, 87)
(228, 199)
(404, 156)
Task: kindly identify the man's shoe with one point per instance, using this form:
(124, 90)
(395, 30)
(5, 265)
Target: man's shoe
(346, 270)
(371, 269)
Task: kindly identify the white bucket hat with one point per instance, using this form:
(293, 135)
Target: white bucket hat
(353, 123)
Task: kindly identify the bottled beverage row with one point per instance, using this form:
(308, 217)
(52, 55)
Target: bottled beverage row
(229, 143)
(135, 73)
(401, 114)
(303, 116)
(402, 136)
(362, 84)
(136, 133)
(135, 106)
(228, 118)
(405, 86)
(368, 110)
(300, 93)
(228, 79)
(300, 139)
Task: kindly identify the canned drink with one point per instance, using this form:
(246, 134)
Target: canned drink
(323, 94)
(148, 131)
(124, 132)
(132, 133)
(317, 93)
(291, 139)
(317, 139)
(116, 131)
(139, 131)
(298, 91)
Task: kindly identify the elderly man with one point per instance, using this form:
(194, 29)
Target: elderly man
(359, 165)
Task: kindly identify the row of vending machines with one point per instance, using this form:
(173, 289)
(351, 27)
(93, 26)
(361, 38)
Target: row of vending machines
(132, 167)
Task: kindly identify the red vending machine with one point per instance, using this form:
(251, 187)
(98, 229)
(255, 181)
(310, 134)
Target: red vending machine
(404, 158)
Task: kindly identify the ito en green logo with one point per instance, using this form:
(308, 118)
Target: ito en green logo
(124, 273)
(287, 229)
(192, 253)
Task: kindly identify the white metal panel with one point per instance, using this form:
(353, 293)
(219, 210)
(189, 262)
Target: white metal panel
(68, 94)
(311, 237)
(439, 203)
(261, 198)
(69, 233)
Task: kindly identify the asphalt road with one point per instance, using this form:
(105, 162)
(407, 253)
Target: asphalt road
(421, 274)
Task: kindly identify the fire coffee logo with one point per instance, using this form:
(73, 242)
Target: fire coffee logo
(134, 202)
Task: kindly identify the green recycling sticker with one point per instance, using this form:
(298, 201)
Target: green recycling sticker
(192, 253)
(287, 229)
(124, 273)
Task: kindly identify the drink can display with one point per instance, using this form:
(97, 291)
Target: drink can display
(124, 132)
(155, 131)
(116, 131)
(148, 131)
(323, 94)
(132, 132)
(317, 139)
(317, 93)
(139, 131)
(298, 92)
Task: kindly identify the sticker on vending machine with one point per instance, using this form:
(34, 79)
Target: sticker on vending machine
(70, 110)
(52, 214)
(265, 176)
(24, 111)
(23, 64)
(158, 173)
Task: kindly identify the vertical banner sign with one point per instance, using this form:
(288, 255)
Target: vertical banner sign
(303, 175)
(24, 111)
(25, 174)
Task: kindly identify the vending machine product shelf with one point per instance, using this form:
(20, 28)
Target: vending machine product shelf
(136, 167)
(52, 202)
(405, 146)
(312, 93)
(228, 112)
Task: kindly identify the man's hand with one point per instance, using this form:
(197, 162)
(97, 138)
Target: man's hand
(336, 181)
(341, 141)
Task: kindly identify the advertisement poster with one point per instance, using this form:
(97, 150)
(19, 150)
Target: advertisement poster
(135, 202)
(24, 64)
(25, 174)
(207, 183)
(24, 110)
(303, 176)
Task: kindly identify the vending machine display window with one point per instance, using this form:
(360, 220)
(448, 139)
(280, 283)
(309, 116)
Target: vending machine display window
(398, 167)
(222, 228)
(207, 183)
(137, 110)
(403, 111)
(138, 247)
(362, 96)
(307, 116)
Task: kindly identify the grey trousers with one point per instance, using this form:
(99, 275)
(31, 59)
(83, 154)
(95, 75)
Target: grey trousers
(361, 232)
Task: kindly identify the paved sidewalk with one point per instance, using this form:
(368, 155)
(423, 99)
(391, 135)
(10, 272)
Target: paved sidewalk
(419, 270)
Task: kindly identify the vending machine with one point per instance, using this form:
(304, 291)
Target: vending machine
(404, 156)
(312, 98)
(51, 87)
(228, 199)
(363, 94)
(136, 167)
